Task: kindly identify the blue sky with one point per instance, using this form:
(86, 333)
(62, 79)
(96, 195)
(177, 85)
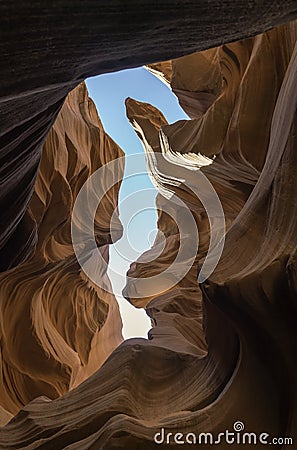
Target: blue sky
(137, 194)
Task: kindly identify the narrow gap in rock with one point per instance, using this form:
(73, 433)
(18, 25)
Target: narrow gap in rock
(140, 226)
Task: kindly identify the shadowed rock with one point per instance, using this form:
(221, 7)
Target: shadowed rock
(217, 353)
(46, 50)
(57, 327)
(203, 372)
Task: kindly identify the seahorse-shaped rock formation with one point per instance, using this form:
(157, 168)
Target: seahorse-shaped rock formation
(222, 351)
(48, 48)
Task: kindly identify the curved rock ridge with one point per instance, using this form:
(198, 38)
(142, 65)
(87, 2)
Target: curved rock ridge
(254, 284)
(219, 98)
(177, 312)
(45, 54)
(57, 327)
(221, 352)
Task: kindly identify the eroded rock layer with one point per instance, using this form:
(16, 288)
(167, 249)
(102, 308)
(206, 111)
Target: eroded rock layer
(221, 352)
(57, 327)
(48, 48)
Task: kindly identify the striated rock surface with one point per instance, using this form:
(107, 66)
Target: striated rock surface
(222, 351)
(47, 49)
(57, 327)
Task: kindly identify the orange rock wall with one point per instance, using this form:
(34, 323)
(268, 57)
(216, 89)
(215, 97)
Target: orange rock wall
(220, 351)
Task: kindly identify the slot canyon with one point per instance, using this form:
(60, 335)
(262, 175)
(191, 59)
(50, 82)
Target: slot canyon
(219, 282)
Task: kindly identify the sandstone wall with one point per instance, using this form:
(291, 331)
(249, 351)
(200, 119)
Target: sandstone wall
(57, 327)
(48, 48)
(222, 351)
